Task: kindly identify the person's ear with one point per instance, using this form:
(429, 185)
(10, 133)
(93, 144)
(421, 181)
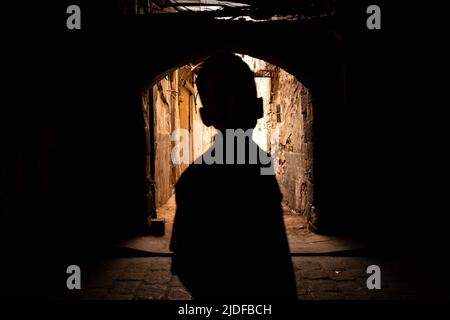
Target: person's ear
(259, 108)
(204, 114)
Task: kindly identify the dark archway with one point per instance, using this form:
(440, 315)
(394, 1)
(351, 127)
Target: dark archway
(318, 63)
(287, 136)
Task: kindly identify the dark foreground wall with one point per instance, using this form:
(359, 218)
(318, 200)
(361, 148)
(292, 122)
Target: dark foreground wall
(72, 133)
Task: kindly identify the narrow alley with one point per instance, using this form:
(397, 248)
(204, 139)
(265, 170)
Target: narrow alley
(178, 150)
(318, 278)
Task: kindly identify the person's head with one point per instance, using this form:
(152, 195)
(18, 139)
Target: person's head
(228, 93)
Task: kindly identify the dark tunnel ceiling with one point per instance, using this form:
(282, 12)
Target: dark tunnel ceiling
(256, 10)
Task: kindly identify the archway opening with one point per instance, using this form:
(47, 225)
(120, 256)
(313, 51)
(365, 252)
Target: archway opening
(171, 103)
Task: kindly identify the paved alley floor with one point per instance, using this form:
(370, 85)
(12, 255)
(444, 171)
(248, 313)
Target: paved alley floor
(326, 268)
(318, 278)
(301, 241)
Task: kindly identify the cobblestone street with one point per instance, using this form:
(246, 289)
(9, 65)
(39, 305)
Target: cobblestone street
(318, 278)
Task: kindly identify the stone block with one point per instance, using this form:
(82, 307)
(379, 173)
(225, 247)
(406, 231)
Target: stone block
(151, 292)
(178, 293)
(158, 277)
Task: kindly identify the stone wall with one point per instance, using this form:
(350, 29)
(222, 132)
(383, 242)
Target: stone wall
(291, 119)
(175, 106)
(288, 124)
(165, 107)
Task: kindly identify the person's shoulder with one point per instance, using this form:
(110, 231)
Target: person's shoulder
(193, 174)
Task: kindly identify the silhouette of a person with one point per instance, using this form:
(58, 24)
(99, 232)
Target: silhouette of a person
(229, 239)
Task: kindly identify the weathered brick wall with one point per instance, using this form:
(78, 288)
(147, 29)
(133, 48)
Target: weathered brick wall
(288, 122)
(291, 119)
(165, 108)
(175, 107)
